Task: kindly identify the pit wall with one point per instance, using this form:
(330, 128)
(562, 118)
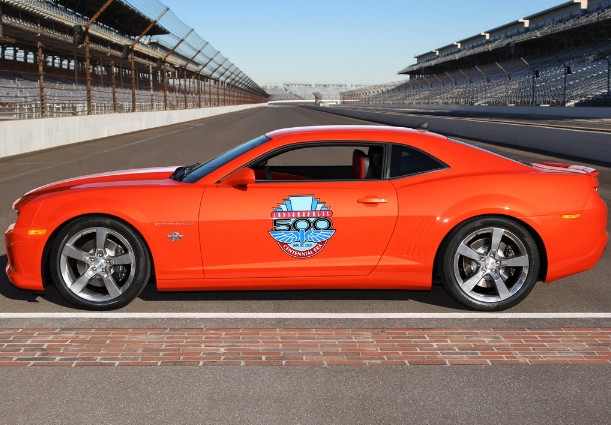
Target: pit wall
(22, 136)
(589, 146)
(518, 111)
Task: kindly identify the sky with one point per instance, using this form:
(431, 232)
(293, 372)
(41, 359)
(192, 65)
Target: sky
(340, 41)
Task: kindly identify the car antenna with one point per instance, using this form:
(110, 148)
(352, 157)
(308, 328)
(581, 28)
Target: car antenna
(424, 126)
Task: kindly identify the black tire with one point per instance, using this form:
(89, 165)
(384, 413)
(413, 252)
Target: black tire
(99, 263)
(489, 263)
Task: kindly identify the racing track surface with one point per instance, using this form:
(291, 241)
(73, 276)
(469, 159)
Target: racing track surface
(267, 395)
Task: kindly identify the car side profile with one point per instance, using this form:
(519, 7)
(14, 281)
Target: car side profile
(331, 207)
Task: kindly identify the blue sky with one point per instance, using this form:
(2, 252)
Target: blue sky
(340, 41)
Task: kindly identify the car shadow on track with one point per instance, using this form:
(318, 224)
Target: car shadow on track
(436, 297)
(9, 291)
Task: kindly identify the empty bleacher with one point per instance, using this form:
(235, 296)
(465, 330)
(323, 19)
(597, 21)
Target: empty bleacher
(570, 79)
(324, 92)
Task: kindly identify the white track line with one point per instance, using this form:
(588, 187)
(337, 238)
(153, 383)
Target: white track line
(223, 315)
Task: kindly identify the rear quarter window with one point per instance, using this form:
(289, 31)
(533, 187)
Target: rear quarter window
(407, 161)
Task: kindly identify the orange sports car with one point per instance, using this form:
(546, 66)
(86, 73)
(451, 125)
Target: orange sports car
(339, 207)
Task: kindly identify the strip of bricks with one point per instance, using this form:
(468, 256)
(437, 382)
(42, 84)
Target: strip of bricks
(318, 347)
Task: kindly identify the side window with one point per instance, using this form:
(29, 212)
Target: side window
(406, 161)
(324, 161)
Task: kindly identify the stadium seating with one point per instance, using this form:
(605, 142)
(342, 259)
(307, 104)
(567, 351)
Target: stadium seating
(278, 93)
(569, 78)
(324, 91)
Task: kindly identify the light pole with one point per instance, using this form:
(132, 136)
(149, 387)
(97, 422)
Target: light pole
(608, 75)
(566, 71)
(535, 75)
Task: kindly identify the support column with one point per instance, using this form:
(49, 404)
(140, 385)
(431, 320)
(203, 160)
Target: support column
(210, 89)
(113, 84)
(177, 74)
(204, 89)
(199, 91)
(88, 74)
(165, 86)
(151, 87)
(133, 69)
(184, 75)
(41, 81)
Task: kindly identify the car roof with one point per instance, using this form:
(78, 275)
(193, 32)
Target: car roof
(346, 129)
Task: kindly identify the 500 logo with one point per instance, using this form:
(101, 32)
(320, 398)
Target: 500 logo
(302, 225)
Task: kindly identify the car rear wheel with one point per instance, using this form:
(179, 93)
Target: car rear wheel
(490, 264)
(99, 263)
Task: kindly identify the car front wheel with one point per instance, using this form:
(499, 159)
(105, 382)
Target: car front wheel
(490, 264)
(99, 263)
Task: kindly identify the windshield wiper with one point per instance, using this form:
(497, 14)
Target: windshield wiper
(181, 172)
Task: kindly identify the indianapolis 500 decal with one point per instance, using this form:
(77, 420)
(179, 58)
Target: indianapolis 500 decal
(302, 225)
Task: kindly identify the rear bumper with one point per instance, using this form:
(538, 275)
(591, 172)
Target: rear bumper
(24, 253)
(574, 245)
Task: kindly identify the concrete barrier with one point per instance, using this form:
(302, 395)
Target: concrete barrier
(591, 146)
(533, 111)
(21, 136)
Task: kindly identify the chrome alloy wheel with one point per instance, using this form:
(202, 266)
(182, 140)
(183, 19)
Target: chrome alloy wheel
(97, 264)
(491, 264)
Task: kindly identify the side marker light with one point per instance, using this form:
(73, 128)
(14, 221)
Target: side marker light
(570, 215)
(36, 232)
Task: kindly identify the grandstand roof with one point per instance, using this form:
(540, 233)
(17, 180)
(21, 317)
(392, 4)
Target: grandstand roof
(552, 9)
(518, 23)
(119, 16)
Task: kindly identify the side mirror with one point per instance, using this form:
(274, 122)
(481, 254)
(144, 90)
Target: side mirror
(240, 177)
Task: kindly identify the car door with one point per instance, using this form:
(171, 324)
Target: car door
(298, 223)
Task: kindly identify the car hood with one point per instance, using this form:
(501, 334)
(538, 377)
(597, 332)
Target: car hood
(112, 177)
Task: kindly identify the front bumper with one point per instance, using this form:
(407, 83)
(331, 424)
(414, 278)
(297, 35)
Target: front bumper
(24, 254)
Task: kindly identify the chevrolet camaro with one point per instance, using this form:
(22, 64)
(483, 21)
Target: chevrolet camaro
(334, 207)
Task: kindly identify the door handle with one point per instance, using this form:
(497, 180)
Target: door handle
(371, 199)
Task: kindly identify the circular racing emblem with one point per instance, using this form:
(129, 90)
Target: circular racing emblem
(302, 226)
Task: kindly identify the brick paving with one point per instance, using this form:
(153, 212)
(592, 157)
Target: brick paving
(317, 347)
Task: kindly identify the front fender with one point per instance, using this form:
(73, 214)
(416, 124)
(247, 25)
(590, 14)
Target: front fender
(153, 212)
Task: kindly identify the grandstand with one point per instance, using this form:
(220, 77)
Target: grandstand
(278, 93)
(319, 92)
(68, 57)
(557, 57)
(308, 92)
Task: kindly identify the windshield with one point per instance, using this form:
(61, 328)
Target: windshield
(206, 168)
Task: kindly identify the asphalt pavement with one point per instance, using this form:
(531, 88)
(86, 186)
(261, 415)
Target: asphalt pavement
(307, 395)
